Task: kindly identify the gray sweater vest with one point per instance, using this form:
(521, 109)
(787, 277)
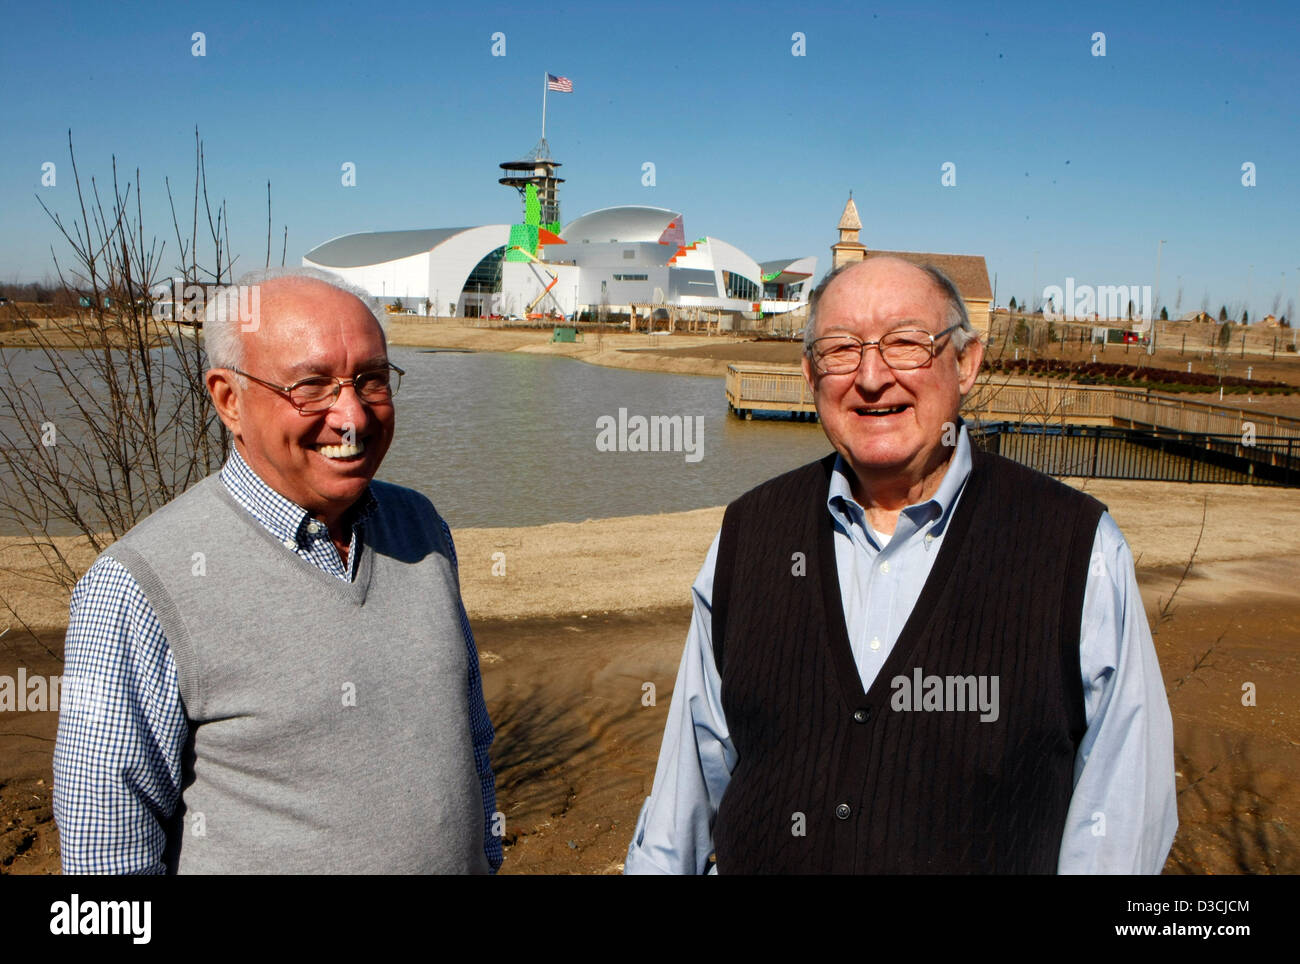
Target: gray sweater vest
(329, 721)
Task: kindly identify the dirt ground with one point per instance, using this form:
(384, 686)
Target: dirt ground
(577, 765)
(587, 613)
(576, 748)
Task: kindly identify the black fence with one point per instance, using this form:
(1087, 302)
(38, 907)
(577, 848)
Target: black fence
(1103, 452)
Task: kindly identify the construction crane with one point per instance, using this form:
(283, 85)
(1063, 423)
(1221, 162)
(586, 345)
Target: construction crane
(530, 312)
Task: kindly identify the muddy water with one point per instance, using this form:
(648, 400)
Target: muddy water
(518, 439)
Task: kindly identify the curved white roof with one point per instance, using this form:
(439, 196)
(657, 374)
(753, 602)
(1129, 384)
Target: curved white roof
(377, 247)
(789, 270)
(433, 263)
(629, 223)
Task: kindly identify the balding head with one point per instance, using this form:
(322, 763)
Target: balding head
(235, 312)
(300, 329)
(883, 267)
(889, 423)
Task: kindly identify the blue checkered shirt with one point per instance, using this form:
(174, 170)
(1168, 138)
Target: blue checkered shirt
(117, 760)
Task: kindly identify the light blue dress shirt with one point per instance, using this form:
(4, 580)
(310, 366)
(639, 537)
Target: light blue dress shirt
(118, 771)
(1123, 811)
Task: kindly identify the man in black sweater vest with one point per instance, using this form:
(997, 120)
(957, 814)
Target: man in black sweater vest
(911, 656)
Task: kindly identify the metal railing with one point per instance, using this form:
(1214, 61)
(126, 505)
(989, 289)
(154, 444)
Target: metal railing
(1101, 452)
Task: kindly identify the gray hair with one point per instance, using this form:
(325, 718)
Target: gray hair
(957, 315)
(221, 313)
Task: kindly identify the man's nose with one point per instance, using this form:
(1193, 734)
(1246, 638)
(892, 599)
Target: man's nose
(873, 374)
(349, 409)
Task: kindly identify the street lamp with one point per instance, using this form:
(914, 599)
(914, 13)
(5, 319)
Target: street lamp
(1151, 341)
(1250, 286)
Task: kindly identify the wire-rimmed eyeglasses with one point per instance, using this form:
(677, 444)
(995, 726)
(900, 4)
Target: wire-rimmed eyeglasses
(902, 350)
(318, 393)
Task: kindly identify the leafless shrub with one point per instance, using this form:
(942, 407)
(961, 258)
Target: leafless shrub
(107, 418)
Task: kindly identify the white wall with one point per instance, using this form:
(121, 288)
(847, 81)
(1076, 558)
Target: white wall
(522, 281)
(438, 274)
(728, 257)
(406, 278)
(451, 262)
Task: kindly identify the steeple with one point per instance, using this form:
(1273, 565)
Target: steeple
(850, 223)
(848, 249)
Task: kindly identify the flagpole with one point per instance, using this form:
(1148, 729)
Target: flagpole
(544, 105)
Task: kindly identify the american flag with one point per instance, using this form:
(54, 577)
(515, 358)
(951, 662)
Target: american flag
(562, 84)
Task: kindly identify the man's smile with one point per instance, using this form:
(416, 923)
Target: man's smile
(341, 451)
(881, 411)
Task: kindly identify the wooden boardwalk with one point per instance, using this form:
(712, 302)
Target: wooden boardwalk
(782, 389)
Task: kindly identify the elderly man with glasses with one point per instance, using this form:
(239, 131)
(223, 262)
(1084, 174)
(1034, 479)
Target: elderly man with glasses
(911, 656)
(274, 672)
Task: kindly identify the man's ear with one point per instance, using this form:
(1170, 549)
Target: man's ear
(806, 365)
(968, 364)
(225, 397)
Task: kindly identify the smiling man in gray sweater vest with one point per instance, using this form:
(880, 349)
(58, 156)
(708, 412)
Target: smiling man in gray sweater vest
(274, 673)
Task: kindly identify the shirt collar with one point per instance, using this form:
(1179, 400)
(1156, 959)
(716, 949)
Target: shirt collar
(283, 518)
(842, 505)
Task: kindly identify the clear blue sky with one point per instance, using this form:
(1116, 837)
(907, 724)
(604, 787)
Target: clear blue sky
(1083, 163)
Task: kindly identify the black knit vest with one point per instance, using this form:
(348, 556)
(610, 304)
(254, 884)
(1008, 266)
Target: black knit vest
(830, 779)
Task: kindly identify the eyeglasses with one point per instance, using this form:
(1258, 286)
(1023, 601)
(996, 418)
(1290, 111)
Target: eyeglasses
(902, 350)
(319, 392)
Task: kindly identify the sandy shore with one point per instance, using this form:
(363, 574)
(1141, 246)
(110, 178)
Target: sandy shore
(642, 352)
(642, 563)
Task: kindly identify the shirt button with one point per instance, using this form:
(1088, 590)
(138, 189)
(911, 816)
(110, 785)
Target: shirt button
(875, 643)
(884, 567)
(843, 811)
(290, 544)
(862, 715)
(313, 527)
(929, 537)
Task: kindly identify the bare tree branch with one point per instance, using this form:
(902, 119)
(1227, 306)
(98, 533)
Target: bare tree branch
(108, 418)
